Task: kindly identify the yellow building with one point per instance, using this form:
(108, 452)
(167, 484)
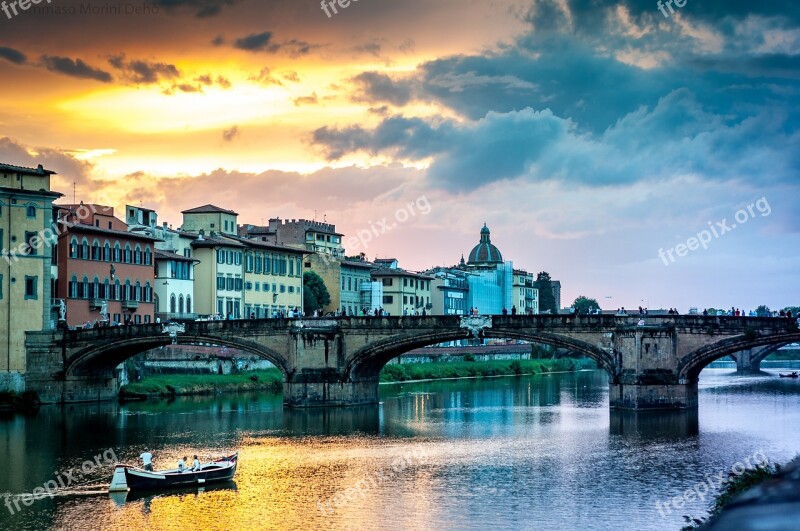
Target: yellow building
(404, 292)
(273, 279)
(27, 239)
(344, 279)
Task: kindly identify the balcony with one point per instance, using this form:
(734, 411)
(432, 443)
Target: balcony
(95, 303)
(130, 305)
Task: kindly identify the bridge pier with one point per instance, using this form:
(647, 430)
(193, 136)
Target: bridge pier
(747, 361)
(653, 396)
(305, 393)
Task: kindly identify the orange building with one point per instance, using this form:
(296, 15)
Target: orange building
(103, 266)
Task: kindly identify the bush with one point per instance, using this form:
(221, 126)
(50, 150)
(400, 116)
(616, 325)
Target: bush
(469, 357)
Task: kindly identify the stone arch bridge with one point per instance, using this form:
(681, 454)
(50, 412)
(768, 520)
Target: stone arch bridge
(652, 363)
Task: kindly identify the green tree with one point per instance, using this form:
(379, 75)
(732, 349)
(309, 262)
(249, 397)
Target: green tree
(547, 301)
(763, 311)
(584, 305)
(315, 294)
(794, 309)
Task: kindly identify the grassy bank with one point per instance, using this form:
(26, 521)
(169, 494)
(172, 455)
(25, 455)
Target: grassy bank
(200, 384)
(465, 369)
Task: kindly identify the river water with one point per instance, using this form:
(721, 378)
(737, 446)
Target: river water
(536, 452)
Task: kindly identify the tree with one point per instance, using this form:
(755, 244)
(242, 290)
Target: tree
(315, 294)
(794, 309)
(584, 305)
(547, 301)
(763, 311)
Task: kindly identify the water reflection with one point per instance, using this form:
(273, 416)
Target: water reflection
(669, 425)
(513, 453)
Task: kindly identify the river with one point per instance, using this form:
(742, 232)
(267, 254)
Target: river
(538, 452)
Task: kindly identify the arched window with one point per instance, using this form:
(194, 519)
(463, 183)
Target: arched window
(73, 287)
(106, 292)
(85, 249)
(106, 252)
(128, 256)
(137, 254)
(137, 291)
(117, 290)
(117, 252)
(180, 304)
(172, 303)
(127, 295)
(73, 247)
(148, 292)
(148, 256)
(31, 211)
(94, 289)
(188, 304)
(84, 291)
(96, 250)
(157, 303)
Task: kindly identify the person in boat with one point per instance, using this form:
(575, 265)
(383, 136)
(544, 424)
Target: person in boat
(195, 464)
(147, 460)
(181, 464)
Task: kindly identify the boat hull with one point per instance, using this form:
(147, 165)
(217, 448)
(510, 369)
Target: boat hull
(137, 479)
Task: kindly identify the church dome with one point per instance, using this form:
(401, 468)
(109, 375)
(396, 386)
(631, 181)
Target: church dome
(485, 253)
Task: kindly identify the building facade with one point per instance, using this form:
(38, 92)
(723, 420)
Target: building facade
(449, 291)
(26, 239)
(174, 286)
(526, 295)
(404, 292)
(490, 279)
(343, 279)
(311, 236)
(105, 273)
(273, 279)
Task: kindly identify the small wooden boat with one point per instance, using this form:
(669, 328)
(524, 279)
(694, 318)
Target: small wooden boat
(137, 479)
(790, 375)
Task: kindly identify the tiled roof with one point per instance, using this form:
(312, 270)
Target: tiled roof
(168, 255)
(389, 272)
(208, 209)
(264, 245)
(82, 227)
(23, 169)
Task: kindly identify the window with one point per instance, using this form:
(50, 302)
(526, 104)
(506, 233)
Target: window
(128, 255)
(248, 286)
(267, 263)
(172, 303)
(405, 282)
(106, 252)
(31, 243)
(388, 299)
(291, 289)
(258, 286)
(137, 255)
(85, 249)
(238, 284)
(137, 291)
(180, 304)
(248, 263)
(405, 299)
(387, 281)
(73, 247)
(96, 250)
(258, 261)
(266, 286)
(117, 253)
(30, 287)
(226, 224)
(188, 304)
(31, 211)
(148, 256)
(220, 282)
(291, 268)
(237, 258)
(283, 288)
(146, 319)
(148, 293)
(229, 283)
(73, 288)
(220, 256)
(229, 257)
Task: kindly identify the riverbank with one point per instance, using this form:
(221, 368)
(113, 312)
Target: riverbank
(478, 369)
(166, 385)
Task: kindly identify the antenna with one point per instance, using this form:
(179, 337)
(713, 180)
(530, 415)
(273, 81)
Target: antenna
(73, 192)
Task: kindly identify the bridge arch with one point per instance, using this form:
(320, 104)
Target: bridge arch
(103, 358)
(367, 362)
(689, 366)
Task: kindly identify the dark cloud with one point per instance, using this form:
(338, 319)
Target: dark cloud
(228, 135)
(256, 42)
(75, 68)
(143, 72)
(63, 162)
(201, 8)
(12, 55)
(375, 87)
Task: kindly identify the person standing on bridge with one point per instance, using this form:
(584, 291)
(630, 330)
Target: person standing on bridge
(514, 310)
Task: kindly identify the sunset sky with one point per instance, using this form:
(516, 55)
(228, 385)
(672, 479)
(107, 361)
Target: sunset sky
(587, 134)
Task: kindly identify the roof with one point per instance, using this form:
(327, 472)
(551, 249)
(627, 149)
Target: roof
(265, 245)
(358, 263)
(169, 255)
(208, 209)
(388, 272)
(23, 191)
(24, 169)
(216, 241)
(82, 227)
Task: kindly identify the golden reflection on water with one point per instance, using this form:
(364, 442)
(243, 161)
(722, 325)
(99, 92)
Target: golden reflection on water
(304, 483)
